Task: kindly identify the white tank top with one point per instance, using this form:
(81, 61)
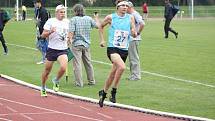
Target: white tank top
(58, 39)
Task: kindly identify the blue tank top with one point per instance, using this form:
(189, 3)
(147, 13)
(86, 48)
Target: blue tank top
(120, 31)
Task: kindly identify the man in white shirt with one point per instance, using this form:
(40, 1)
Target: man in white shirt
(56, 30)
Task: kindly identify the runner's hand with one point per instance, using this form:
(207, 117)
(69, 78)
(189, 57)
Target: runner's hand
(102, 43)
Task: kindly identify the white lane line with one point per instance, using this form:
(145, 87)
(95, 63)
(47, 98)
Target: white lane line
(22, 114)
(39, 113)
(29, 118)
(11, 109)
(85, 108)
(8, 114)
(4, 119)
(69, 102)
(41, 108)
(146, 72)
(106, 116)
(9, 85)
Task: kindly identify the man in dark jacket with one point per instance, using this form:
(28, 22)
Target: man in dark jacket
(2, 24)
(168, 15)
(42, 16)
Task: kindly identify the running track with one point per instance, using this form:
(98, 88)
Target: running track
(21, 103)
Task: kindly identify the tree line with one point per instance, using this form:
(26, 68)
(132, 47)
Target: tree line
(102, 3)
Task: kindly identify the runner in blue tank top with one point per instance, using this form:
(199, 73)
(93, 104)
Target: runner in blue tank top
(121, 28)
(119, 31)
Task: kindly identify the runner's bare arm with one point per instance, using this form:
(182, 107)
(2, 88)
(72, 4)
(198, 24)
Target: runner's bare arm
(106, 21)
(46, 33)
(98, 24)
(70, 36)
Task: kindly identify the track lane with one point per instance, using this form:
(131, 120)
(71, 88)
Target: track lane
(20, 103)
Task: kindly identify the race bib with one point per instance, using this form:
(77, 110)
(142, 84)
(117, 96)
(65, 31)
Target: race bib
(120, 38)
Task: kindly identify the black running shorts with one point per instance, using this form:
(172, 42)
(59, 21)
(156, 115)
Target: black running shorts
(53, 54)
(123, 53)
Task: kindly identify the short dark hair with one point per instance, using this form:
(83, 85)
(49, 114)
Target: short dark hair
(118, 1)
(38, 1)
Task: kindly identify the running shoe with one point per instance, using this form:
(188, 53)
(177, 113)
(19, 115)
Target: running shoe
(43, 93)
(56, 85)
(41, 62)
(102, 96)
(113, 96)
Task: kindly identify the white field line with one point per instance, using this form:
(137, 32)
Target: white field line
(164, 76)
(146, 72)
(22, 46)
(46, 109)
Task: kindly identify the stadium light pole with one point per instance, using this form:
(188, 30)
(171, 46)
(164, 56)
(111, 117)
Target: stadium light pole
(17, 10)
(192, 11)
(67, 69)
(66, 8)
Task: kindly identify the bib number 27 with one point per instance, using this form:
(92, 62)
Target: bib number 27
(120, 38)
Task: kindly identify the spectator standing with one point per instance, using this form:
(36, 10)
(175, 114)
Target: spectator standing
(133, 51)
(24, 11)
(79, 31)
(145, 10)
(42, 16)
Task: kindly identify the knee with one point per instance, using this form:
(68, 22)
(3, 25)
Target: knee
(62, 69)
(122, 67)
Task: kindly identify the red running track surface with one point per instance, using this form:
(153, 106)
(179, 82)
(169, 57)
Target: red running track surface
(20, 103)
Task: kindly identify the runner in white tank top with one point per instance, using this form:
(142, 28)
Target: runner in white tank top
(56, 29)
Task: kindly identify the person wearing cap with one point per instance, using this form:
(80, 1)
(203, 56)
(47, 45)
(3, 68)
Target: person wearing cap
(56, 29)
(133, 53)
(120, 29)
(41, 16)
(80, 27)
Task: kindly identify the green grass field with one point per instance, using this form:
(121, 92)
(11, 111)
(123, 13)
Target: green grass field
(187, 61)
